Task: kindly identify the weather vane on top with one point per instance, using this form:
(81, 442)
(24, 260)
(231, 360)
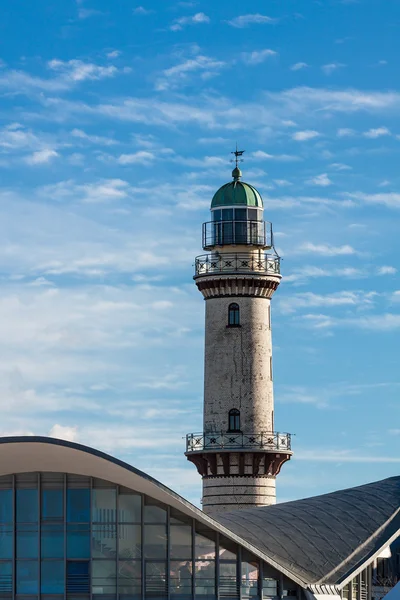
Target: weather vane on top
(238, 154)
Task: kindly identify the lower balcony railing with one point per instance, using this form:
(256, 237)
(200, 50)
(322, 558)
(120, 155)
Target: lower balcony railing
(196, 442)
(209, 264)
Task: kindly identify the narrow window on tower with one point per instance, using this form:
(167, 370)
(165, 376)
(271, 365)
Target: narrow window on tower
(234, 315)
(234, 420)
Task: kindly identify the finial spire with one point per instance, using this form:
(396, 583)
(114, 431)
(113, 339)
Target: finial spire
(237, 173)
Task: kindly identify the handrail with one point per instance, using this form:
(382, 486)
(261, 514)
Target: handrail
(267, 441)
(208, 264)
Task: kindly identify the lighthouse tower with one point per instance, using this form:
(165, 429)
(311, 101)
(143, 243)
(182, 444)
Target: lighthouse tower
(238, 454)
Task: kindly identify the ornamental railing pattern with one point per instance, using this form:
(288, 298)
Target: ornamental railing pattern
(197, 442)
(210, 264)
(227, 233)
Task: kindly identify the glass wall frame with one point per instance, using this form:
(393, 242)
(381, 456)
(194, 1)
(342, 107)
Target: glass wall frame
(130, 548)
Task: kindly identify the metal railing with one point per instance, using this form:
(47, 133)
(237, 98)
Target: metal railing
(247, 233)
(208, 264)
(196, 442)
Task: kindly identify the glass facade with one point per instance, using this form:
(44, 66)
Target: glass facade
(71, 537)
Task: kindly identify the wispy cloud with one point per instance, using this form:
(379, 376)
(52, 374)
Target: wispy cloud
(389, 199)
(261, 155)
(142, 157)
(141, 10)
(326, 249)
(304, 136)
(296, 302)
(320, 180)
(181, 22)
(376, 133)
(41, 157)
(251, 19)
(345, 132)
(386, 270)
(330, 68)
(179, 74)
(93, 139)
(298, 66)
(258, 56)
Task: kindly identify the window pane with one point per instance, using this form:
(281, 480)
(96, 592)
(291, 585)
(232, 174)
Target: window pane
(153, 513)
(253, 214)
(227, 549)
(129, 508)
(5, 577)
(52, 545)
(78, 581)
(130, 540)
(78, 541)
(130, 578)
(6, 506)
(205, 579)
(104, 505)
(27, 506)
(27, 576)
(249, 580)
(270, 588)
(240, 214)
(181, 579)
(27, 541)
(52, 504)
(216, 215)
(155, 541)
(156, 580)
(227, 214)
(104, 577)
(6, 540)
(78, 506)
(205, 547)
(228, 579)
(104, 541)
(181, 541)
(52, 577)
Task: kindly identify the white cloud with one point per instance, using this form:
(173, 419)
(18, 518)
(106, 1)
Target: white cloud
(77, 70)
(258, 56)
(86, 13)
(105, 190)
(340, 167)
(386, 270)
(141, 10)
(321, 180)
(261, 155)
(296, 302)
(70, 434)
(345, 132)
(298, 66)
(375, 133)
(41, 157)
(93, 139)
(198, 18)
(326, 249)
(252, 19)
(113, 54)
(302, 136)
(331, 67)
(142, 158)
(175, 76)
(389, 199)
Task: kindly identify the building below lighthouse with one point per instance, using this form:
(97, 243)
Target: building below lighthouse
(238, 453)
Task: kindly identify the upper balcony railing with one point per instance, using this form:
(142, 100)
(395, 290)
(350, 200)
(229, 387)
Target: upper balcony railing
(237, 233)
(215, 263)
(267, 441)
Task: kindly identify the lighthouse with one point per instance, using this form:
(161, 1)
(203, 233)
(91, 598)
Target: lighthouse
(238, 453)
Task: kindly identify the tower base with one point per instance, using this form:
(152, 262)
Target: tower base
(221, 494)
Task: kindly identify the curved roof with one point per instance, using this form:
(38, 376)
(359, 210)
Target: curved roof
(237, 193)
(322, 540)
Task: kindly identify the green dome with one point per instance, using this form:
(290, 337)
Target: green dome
(237, 193)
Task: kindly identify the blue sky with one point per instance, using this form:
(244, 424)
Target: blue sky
(117, 123)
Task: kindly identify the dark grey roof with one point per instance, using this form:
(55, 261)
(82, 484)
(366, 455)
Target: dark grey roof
(325, 538)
